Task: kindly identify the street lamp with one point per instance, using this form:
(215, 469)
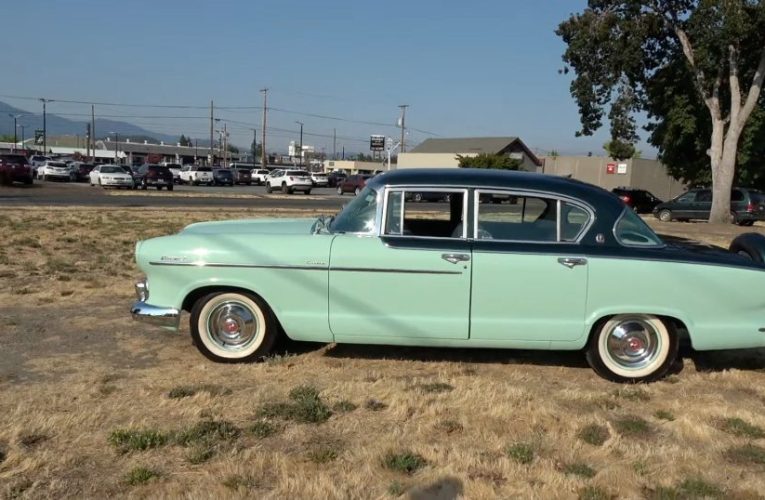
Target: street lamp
(45, 124)
(301, 141)
(22, 135)
(15, 126)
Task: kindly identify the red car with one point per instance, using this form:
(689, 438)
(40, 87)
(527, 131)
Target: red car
(15, 168)
(353, 184)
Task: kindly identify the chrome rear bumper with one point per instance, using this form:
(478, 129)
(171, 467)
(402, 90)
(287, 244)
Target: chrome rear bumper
(166, 317)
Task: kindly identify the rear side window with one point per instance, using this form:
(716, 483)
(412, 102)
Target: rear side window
(630, 230)
(737, 196)
(704, 196)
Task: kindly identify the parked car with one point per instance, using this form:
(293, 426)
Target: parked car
(156, 176)
(223, 177)
(353, 184)
(319, 179)
(80, 171)
(560, 245)
(192, 174)
(54, 170)
(259, 175)
(432, 196)
(746, 206)
(242, 175)
(289, 181)
(640, 200)
(111, 176)
(15, 168)
(335, 178)
(38, 160)
(175, 169)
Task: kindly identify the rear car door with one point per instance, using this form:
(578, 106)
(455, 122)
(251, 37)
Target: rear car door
(702, 206)
(404, 283)
(529, 275)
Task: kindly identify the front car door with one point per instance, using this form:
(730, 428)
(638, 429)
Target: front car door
(400, 273)
(529, 273)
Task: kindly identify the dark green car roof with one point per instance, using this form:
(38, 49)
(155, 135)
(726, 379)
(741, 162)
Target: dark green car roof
(600, 199)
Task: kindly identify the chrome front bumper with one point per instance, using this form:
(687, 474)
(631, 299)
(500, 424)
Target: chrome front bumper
(166, 317)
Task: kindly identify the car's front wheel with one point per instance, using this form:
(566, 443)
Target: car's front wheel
(268, 187)
(665, 216)
(339, 190)
(632, 348)
(232, 327)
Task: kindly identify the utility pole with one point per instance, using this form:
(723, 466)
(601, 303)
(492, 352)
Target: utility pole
(263, 156)
(212, 120)
(196, 150)
(403, 124)
(300, 154)
(22, 136)
(334, 144)
(93, 129)
(254, 144)
(15, 125)
(87, 141)
(225, 146)
(45, 124)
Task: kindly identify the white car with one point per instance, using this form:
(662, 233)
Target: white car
(111, 176)
(192, 174)
(51, 169)
(38, 160)
(259, 175)
(289, 181)
(319, 179)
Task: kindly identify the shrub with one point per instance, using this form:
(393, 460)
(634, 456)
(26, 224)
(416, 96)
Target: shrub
(594, 434)
(404, 461)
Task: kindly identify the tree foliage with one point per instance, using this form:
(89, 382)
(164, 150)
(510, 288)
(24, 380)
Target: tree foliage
(485, 160)
(695, 67)
(185, 141)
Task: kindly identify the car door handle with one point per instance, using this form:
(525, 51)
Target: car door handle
(571, 262)
(455, 257)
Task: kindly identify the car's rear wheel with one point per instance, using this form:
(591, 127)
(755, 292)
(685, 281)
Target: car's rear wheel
(307, 191)
(665, 216)
(285, 189)
(356, 191)
(144, 186)
(632, 348)
(170, 187)
(232, 327)
(339, 190)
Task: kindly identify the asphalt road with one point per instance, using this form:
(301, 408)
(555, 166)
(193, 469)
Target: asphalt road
(65, 193)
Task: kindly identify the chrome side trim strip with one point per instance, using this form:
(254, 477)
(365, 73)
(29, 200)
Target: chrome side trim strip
(387, 270)
(243, 266)
(303, 268)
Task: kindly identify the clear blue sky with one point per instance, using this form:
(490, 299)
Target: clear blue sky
(465, 68)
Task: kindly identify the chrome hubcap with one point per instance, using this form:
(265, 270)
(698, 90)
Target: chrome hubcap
(633, 343)
(232, 326)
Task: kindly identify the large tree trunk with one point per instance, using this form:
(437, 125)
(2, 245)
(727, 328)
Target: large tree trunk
(722, 183)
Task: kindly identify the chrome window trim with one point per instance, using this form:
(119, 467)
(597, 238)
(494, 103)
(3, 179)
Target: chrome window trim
(422, 189)
(538, 194)
(627, 245)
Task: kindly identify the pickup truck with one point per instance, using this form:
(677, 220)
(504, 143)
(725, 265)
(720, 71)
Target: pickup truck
(192, 174)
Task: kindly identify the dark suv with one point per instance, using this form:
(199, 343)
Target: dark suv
(640, 200)
(223, 177)
(746, 206)
(242, 175)
(154, 175)
(15, 168)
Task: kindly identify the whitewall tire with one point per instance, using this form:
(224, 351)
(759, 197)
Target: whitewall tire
(233, 327)
(633, 348)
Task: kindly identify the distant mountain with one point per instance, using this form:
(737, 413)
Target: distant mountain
(57, 125)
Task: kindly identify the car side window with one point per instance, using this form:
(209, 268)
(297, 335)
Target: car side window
(704, 196)
(518, 218)
(687, 197)
(441, 217)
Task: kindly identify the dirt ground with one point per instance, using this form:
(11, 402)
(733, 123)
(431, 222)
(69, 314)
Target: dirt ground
(96, 405)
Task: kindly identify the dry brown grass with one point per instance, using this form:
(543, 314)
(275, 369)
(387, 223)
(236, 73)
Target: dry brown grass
(78, 379)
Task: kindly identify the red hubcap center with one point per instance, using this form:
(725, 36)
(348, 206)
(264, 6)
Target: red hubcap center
(635, 344)
(231, 326)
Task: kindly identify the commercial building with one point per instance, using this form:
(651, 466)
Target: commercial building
(440, 153)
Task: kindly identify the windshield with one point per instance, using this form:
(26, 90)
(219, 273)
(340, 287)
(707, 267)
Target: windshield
(631, 230)
(359, 215)
(112, 170)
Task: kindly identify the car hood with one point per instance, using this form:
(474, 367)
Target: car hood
(252, 226)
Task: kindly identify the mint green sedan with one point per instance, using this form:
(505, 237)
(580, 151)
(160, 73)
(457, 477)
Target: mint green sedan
(497, 259)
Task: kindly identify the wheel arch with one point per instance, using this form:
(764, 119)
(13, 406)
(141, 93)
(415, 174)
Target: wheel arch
(675, 322)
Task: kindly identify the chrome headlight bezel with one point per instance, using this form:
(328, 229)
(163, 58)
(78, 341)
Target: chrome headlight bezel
(142, 290)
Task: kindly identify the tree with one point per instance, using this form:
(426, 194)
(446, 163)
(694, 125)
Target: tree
(485, 160)
(6, 137)
(619, 49)
(619, 150)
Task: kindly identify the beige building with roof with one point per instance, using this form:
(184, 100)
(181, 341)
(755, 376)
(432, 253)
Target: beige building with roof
(440, 153)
